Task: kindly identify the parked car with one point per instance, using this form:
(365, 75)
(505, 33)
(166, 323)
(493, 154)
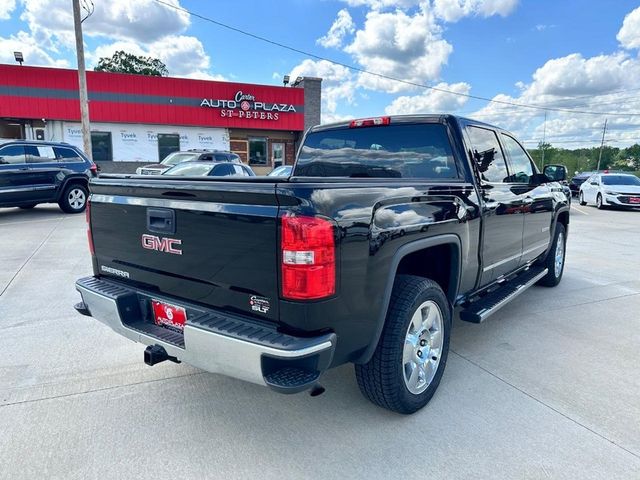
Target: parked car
(276, 280)
(188, 156)
(578, 180)
(611, 189)
(33, 172)
(282, 171)
(210, 169)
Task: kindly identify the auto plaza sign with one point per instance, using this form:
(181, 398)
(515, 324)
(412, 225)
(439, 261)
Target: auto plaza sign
(244, 105)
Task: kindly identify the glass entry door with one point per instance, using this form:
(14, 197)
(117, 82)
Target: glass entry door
(277, 154)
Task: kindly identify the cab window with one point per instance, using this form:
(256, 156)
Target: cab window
(487, 155)
(522, 171)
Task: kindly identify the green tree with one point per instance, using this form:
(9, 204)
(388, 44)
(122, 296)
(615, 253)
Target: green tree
(123, 62)
(628, 158)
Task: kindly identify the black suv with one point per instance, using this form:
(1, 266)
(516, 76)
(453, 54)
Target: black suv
(33, 172)
(188, 156)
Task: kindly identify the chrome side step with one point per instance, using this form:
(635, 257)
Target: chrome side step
(486, 306)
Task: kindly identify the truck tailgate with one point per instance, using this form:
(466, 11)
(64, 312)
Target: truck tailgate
(209, 242)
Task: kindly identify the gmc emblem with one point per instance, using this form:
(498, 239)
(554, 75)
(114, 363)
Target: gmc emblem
(166, 245)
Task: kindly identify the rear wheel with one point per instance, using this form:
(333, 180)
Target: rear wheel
(411, 355)
(555, 258)
(74, 199)
(581, 200)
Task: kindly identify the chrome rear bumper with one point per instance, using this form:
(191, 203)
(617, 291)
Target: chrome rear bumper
(214, 341)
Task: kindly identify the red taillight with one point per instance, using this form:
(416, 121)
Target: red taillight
(94, 169)
(370, 122)
(87, 213)
(308, 258)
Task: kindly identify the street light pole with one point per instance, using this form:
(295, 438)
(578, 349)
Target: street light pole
(82, 80)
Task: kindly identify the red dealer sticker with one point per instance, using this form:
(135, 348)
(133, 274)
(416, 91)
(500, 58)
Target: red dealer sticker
(170, 316)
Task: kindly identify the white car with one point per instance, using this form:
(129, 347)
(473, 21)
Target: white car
(604, 189)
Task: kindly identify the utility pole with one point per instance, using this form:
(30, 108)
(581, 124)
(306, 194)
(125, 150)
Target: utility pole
(544, 137)
(82, 80)
(604, 130)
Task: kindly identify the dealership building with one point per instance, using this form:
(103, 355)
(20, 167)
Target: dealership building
(137, 118)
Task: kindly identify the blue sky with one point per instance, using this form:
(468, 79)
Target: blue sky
(569, 54)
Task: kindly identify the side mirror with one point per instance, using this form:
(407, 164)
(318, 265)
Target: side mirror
(594, 183)
(555, 173)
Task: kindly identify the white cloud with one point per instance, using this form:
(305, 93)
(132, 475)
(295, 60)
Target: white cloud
(454, 10)
(183, 55)
(431, 101)
(342, 26)
(33, 52)
(382, 4)
(338, 84)
(6, 9)
(595, 84)
(575, 75)
(143, 20)
(629, 34)
(399, 45)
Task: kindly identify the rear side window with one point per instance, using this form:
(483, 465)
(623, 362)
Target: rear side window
(12, 154)
(488, 155)
(223, 171)
(392, 151)
(40, 154)
(65, 154)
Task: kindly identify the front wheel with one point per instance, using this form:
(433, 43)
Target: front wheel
(555, 258)
(599, 203)
(74, 199)
(411, 355)
(581, 200)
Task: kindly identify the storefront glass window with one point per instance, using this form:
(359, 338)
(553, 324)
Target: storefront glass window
(101, 147)
(258, 151)
(167, 143)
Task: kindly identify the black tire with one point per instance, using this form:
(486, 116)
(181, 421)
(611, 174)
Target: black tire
(382, 379)
(553, 277)
(68, 202)
(581, 200)
(599, 203)
(28, 207)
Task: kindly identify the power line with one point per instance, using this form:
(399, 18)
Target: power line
(383, 76)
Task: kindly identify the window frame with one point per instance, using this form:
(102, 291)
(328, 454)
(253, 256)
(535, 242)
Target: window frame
(510, 165)
(504, 157)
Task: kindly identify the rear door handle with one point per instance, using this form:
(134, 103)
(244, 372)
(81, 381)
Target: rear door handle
(161, 220)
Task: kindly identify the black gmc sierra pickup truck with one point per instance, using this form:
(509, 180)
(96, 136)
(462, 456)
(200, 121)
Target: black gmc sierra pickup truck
(385, 226)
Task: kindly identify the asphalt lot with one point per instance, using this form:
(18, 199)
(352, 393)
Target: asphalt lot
(549, 387)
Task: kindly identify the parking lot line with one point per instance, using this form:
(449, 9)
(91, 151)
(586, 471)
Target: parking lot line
(33, 221)
(579, 210)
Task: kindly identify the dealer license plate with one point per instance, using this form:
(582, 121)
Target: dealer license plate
(634, 200)
(168, 316)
